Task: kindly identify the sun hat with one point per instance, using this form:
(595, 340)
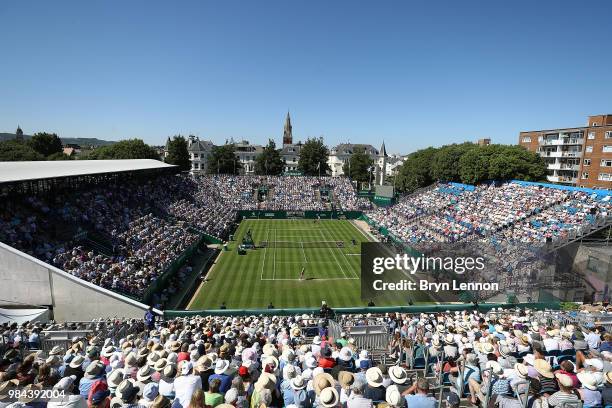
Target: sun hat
(94, 369)
(588, 380)
(564, 379)
(160, 365)
(265, 381)
(596, 363)
(186, 367)
(77, 361)
(322, 381)
(346, 354)
(107, 351)
(221, 366)
(4, 386)
(151, 391)
(65, 383)
(374, 377)
(311, 362)
(609, 377)
(543, 368)
(126, 390)
(269, 349)
(28, 393)
(316, 340)
(329, 397)
(115, 377)
(289, 372)
(231, 396)
(495, 367)
(397, 374)
(56, 351)
(486, 348)
(393, 396)
(346, 379)
(144, 373)
(270, 360)
(521, 370)
(298, 383)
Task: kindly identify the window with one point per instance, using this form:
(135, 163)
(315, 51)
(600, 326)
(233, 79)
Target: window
(608, 134)
(594, 124)
(585, 174)
(606, 163)
(526, 139)
(591, 135)
(589, 149)
(605, 177)
(587, 162)
(607, 149)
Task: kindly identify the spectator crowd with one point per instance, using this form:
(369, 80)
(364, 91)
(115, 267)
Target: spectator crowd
(506, 358)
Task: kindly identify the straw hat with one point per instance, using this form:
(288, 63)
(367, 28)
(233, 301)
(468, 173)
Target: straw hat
(588, 380)
(564, 379)
(543, 368)
(115, 378)
(521, 370)
(346, 379)
(127, 390)
(394, 397)
(322, 381)
(329, 397)
(144, 373)
(298, 383)
(374, 377)
(398, 375)
(265, 381)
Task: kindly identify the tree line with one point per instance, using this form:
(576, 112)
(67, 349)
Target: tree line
(469, 163)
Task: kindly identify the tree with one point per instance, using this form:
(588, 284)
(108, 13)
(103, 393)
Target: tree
(359, 166)
(445, 163)
(269, 161)
(178, 153)
(415, 172)
(222, 160)
(60, 156)
(13, 150)
(124, 149)
(45, 143)
(313, 158)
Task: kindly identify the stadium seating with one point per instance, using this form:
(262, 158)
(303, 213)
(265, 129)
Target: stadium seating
(443, 358)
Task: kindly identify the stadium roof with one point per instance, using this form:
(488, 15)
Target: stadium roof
(11, 172)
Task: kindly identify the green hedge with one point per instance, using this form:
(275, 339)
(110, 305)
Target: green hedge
(483, 307)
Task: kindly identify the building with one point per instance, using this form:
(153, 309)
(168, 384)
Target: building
(341, 153)
(247, 154)
(199, 152)
(290, 153)
(484, 142)
(19, 134)
(579, 156)
(381, 165)
(287, 131)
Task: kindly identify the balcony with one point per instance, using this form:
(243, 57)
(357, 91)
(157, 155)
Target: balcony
(575, 167)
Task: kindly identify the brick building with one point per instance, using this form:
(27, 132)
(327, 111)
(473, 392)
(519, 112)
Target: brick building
(578, 156)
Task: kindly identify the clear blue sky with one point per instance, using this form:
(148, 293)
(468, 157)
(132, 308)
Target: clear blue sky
(414, 73)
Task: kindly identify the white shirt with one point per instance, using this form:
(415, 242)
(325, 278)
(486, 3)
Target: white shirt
(184, 386)
(593, 340)
(551, 344)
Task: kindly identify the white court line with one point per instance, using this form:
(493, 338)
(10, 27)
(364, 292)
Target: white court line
(309, 262)
(303, 252)
(316, 279)
(332, 252)
(263, 264)
(274, 273)
(346, 260)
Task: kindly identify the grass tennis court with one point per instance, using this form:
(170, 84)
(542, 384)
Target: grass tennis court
(272, 273)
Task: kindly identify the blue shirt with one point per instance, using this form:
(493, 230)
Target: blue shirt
(421, 401)
(226, 382)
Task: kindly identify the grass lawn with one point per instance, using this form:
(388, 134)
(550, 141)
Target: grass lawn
(272, 274)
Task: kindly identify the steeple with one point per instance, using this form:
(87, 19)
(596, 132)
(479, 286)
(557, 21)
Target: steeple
(383, 150)
(18, 133)
(287, 133)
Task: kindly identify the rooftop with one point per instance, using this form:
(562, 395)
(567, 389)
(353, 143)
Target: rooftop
(39, 170)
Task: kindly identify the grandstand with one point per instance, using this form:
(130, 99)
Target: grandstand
(146, 235)
(98, 242)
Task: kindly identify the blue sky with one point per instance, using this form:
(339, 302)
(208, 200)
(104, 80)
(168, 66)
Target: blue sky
(414, 73)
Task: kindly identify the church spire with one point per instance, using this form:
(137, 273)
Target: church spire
(287, 133)
(19, 133)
